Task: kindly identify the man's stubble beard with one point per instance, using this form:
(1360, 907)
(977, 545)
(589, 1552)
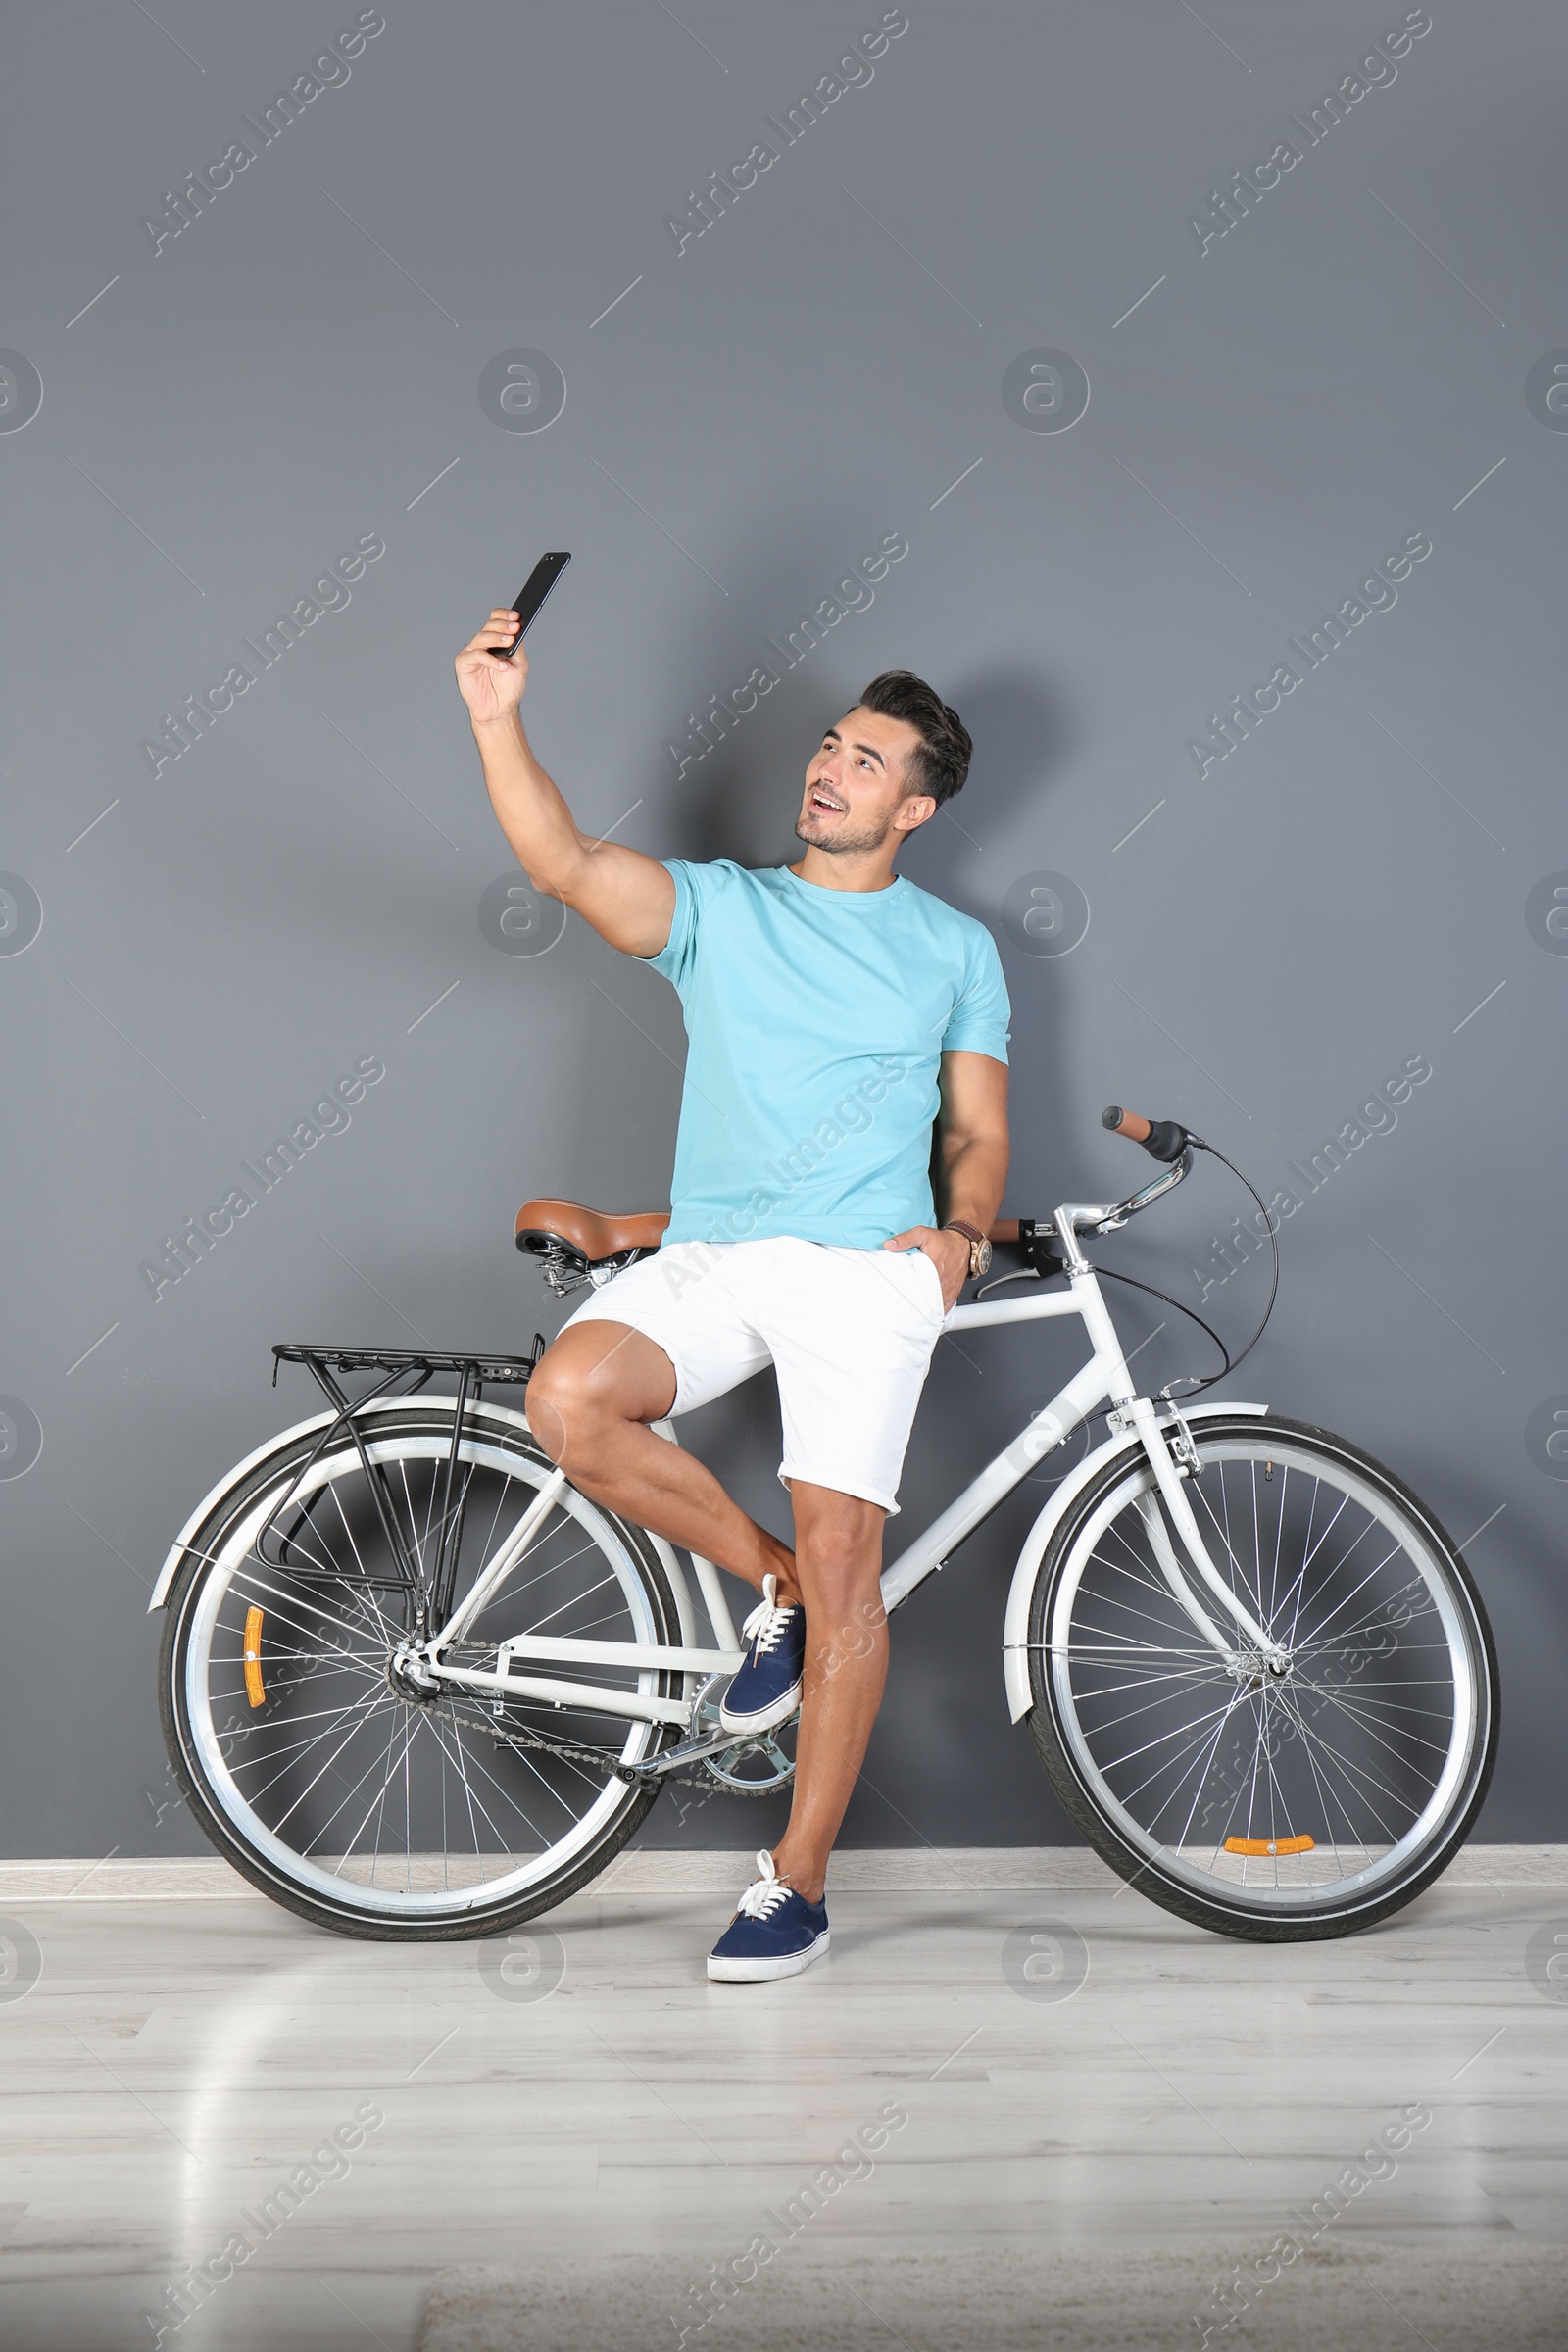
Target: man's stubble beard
(843, 844)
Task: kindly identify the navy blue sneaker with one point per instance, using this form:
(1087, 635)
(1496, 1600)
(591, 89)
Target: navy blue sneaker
(767, 1688)
(774, 1932)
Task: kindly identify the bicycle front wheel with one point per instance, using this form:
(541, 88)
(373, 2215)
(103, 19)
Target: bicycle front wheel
(1271, 1805)
(370, 1805)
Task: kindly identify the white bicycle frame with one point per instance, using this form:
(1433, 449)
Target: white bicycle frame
(1136, 1425)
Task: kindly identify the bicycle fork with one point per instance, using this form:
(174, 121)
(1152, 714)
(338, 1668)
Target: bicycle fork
(1138, 1414)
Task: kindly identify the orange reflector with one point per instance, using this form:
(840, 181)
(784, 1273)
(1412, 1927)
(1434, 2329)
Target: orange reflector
(1251, 1846)
(255, 1689)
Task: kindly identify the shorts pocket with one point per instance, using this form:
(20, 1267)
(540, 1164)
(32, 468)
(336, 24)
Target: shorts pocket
(934, 1283)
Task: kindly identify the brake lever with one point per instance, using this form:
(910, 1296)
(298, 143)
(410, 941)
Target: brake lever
(1035, 1246)
(1040, 1261)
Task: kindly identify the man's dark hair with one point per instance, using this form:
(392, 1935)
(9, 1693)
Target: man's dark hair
(942, 762)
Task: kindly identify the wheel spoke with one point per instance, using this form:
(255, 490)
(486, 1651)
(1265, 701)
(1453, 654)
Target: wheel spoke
(283, 1819)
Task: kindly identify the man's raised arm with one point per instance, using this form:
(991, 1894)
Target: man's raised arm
(629, 899)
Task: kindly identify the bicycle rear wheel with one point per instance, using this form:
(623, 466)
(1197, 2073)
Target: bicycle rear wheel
(1273, 1807)
(365, 1805)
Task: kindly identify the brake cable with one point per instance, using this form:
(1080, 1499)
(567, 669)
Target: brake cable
(1271, 1228)
(1192, 1386)
(1133, 1284)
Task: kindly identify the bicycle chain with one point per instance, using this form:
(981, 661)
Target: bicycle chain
(571, 1754)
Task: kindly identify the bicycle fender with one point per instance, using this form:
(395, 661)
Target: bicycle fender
(1016, 1627)
(317, 1421)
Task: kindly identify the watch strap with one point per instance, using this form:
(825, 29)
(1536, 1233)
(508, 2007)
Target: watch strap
(979, 1244)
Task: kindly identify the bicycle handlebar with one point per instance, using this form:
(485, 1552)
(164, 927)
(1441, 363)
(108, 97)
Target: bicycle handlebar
(1161, 1138)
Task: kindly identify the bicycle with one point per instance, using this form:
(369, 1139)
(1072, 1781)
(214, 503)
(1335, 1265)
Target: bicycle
(415, 1684)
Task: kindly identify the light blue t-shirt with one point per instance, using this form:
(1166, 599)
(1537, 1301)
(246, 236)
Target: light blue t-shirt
(817, 1019)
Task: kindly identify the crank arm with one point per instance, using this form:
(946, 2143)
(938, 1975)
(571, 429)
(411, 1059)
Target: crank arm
(690, 1751)
(674, 1759)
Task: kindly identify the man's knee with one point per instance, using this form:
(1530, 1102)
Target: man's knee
(568, 1397)
(838, 1559)
(550, 1403)
(839, 1572)
(838, 1539)
(588, 1385)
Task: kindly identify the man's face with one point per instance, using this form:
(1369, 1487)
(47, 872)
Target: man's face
(859, 789)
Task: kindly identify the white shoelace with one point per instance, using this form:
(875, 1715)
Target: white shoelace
(769, 1620)
(766, 1893)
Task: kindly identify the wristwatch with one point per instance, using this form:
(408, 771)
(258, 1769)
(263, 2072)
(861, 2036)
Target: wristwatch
(979, 1245)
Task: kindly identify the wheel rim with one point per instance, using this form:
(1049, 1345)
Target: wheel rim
(1363, 1749)
(345, 1788)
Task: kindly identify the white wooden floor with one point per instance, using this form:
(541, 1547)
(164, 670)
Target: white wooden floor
(186, 2048)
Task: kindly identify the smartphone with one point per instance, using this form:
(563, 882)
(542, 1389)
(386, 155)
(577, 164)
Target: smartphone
(528, 600)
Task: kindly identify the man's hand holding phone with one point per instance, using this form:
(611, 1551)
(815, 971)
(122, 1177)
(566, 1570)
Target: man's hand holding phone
(490, 681)
(490, 662)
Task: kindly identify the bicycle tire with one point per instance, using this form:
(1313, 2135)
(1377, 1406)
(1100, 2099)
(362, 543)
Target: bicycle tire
(194, 1677)
(1131, 1821)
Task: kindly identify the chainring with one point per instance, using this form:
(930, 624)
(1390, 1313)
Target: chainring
(756, 1766)
(775, 1766)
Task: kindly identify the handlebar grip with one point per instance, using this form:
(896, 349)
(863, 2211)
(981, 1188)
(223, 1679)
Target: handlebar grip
(1161, 1138)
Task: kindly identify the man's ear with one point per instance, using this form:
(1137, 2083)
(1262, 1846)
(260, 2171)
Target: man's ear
(916, 811)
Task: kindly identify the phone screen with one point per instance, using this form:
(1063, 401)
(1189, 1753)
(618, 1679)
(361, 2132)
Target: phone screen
(528, 599)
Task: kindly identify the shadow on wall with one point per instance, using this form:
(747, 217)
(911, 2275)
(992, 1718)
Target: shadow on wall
(971, 855)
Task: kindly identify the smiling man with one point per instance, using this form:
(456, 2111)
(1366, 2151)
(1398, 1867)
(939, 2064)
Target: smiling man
(836, 1014)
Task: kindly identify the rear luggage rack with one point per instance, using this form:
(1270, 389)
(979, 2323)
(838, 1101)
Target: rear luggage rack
(432, 1591)
(426, 1360)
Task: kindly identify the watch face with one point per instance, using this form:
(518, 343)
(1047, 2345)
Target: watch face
(981, 1255)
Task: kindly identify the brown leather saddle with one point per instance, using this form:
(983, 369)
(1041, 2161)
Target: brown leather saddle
(576, 1243)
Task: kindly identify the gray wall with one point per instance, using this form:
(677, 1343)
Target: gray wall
(1361, 358)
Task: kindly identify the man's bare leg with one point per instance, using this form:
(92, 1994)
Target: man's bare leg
(837, 1560)
(590, 1400)
(589, 1403)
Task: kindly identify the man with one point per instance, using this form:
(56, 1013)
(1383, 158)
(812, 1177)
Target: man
(834, 1013)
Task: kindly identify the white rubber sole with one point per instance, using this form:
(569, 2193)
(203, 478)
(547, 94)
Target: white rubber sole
(768, 1719)
(762, 1972)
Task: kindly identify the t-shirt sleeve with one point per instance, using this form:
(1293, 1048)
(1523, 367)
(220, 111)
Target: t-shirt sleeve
(676, 958)
(980, 1020)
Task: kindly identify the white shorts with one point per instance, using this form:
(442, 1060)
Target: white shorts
(849, 1332)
